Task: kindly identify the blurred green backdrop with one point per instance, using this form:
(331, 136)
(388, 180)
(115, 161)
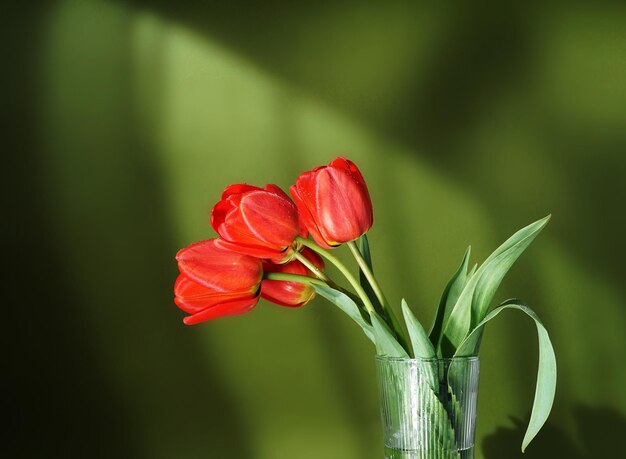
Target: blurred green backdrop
(468, 120)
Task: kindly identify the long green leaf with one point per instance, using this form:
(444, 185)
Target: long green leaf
(448, 299)
(473, 302)
(364, 247)
(422, 347)
(498, 264)
(432, 432)
(546, 374)
(438, 429)
(345, 303)
(386, 344)
(460, 320)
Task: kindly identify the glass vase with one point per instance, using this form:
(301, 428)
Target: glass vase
(428, 407)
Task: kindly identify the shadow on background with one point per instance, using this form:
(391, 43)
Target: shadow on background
(476, 104)
(489, 99)
(62, 400)
(599, 432)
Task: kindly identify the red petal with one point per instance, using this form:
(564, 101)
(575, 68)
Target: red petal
(230, 308)
(350, 168)
(272, 188)
(344, 208)
(295, 266)
(254, 251)
(218, 213)
(238, 188)
(286, 293)
(313, 257)
(292, 294)
(270, 217)
(276, 189)
(235, 229)
(304, 197)
(192, 297)
(219, 269)
(234, 232)
(250, 217)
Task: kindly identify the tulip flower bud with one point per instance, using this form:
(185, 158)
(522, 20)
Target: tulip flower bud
(215, 282)
(334, 203)
(292, 294)
(261, 222)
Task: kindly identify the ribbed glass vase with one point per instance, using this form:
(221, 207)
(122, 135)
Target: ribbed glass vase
(428, 407)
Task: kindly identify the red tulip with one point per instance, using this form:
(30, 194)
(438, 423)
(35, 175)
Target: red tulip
(262, 222)
(334, 203)
(215, 282)
(293, 294)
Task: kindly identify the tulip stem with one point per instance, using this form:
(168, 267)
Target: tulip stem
(344, 270)
(369, 275)
(294, 278)
(311, 267)
(321, 275)
(312, 280)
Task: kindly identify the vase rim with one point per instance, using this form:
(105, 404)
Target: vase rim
(385, 358)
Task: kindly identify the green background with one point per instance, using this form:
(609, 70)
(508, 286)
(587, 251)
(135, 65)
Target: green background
(468, 120)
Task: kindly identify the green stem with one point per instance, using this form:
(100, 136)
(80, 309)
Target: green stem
(311, 267)
(344, 270)
(294, 278)
(312, 280)
(369, 275)
(321, 275)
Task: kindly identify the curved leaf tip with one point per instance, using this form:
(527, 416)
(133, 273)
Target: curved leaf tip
(546, 374)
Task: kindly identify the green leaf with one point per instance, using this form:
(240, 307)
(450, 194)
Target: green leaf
(498, 264)
(364, 247)
(473, 302)
(546, 374)
(437, 428)
(448, 299)
(386, 344)
(432, 426)
(345, 303)
(422, 347)
(459, 322)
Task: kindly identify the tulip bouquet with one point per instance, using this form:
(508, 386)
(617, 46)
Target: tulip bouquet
(263, 250)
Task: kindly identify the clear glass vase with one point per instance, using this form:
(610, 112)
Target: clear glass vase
(428, 407)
